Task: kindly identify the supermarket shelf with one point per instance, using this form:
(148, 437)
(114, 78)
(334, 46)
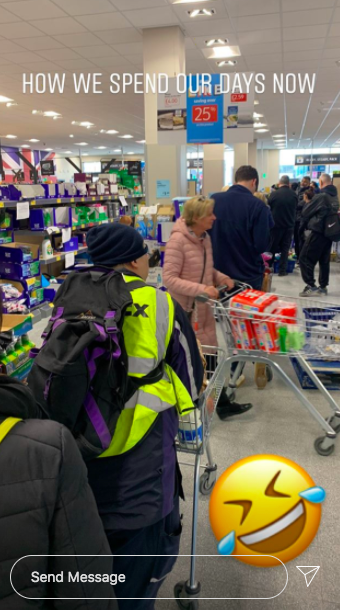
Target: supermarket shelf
(59, 257)
(26, 232)
(67, 200)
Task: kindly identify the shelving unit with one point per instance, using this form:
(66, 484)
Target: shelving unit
(59, 257)
(67, 201)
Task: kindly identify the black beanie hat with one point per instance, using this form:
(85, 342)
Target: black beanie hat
(115, 244)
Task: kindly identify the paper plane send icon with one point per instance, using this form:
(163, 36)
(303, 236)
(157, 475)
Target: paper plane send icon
(309, 572)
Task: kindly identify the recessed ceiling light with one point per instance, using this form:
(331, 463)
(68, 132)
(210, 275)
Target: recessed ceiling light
(126, 137)
(48, 149)
(4, 99)
(216, 41)
(291, 139)
(85, 154)
(229, 62)
(10, 137)
(117, 150)
(67, 152)
(81, 143)
(9, 104)
(256, 102)
(256, 115)
(261, 130)
(112, 131)
(71, 135)
(140, 141)
(51, 113)
(25, 146)
(33, 140)
(100, 147)
(224, 52)
(260, 125)
(279, 135)
(130, 153)
(204, 12)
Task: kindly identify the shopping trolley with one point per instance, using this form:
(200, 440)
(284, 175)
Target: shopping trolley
(193, 438)
(315, 334)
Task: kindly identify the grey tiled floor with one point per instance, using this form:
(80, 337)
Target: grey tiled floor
(277, 424)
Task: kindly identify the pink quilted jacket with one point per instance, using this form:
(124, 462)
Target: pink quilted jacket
(182, 275)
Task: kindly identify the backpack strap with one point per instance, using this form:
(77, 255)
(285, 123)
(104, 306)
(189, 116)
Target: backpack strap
(7, 426)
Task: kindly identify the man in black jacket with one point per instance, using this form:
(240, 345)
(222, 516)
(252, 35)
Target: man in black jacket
(317, 247)
(283, 204)
(298, 238)
(47, 512)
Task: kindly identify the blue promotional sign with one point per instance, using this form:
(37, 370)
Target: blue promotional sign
(204, 110)
(163, 189)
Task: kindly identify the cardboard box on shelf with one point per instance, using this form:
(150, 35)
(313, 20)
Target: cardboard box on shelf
(16, 325)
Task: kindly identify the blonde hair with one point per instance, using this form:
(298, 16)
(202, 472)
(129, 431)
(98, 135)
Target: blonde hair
(225, 189)
(261, 196)
(197, 208)
(126, 220)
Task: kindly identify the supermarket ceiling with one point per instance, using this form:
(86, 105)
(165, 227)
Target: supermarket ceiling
(106, 36)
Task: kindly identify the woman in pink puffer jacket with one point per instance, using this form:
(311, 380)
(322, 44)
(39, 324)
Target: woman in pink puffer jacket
(189, 271)
(189, 267)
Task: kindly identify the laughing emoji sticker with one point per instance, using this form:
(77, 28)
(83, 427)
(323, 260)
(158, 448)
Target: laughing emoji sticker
(265, 505)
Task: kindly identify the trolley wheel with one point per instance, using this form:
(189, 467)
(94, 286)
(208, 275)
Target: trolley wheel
(207, 482)
(269, 373)
(319, 449)
(184, 602)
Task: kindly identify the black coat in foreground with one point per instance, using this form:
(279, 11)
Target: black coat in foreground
(46, 508)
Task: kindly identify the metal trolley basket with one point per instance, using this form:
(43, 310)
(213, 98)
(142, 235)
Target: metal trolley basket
(316, 335)
(193, 438)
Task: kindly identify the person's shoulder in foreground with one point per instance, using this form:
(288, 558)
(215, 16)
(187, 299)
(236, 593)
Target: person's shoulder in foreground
(47, 509)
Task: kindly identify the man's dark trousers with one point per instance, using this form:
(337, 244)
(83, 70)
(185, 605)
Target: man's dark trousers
(316, 249)
(281, 240)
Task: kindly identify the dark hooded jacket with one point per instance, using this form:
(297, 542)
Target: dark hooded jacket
(314, 214)
(46, 508)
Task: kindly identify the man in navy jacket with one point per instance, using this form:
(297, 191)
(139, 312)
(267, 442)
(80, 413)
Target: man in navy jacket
(241, 232)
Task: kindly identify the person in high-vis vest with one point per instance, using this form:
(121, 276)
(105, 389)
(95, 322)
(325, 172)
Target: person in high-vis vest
(47, 510)
(137, 481)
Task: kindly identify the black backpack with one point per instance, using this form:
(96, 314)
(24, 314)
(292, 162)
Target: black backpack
(332, 226)
(80, 375)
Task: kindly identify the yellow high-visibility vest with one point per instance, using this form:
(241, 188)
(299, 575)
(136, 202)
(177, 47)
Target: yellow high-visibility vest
(7, 426)
(147, 328)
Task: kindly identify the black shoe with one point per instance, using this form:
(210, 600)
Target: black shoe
(283, 274)
(232, 409)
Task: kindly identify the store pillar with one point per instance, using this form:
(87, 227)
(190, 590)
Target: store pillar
(164, 52)
(241, 155)
(213, 168)
(252, 154)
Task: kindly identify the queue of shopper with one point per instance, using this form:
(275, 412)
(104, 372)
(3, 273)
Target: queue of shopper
(136, 482)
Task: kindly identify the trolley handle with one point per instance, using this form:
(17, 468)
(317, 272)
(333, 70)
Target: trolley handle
(224, 293)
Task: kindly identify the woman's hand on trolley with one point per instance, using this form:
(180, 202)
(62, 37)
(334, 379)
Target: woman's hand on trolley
(212, 292)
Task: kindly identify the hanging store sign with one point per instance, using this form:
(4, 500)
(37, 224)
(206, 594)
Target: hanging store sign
(134, 168)
(327, 159)
(205, 111)
(172, 115)
(47, 168)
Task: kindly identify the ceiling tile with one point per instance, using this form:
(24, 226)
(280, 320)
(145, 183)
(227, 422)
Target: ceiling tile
(332, 53)
(261, 22)
(302, 55)
(65, 25)
(305, 5)
(259, 36)
(260, 49)
(104, 62)
(19, 30)
(29, 10)
(60, 54)
(76, 64)
(242, 8)
(303, 45)
(311, 17)
(130, 48)
(334, 29)
(120, 36)
(151, 17)
(136, 60)
(40, 44)
(332, 43)
(127, 5)
(336, 17)
(6, 16)
(299, 33)
(100, 51)
(78, 40)
(85, 7)
(105, 21)
(7, 46)
(210, 28)
(40, 66)
(18, 58)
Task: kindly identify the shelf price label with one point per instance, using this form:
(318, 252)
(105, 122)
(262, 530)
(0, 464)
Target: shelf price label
(2, 205)
(72, 200)
(58, 200)
(205, 114)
